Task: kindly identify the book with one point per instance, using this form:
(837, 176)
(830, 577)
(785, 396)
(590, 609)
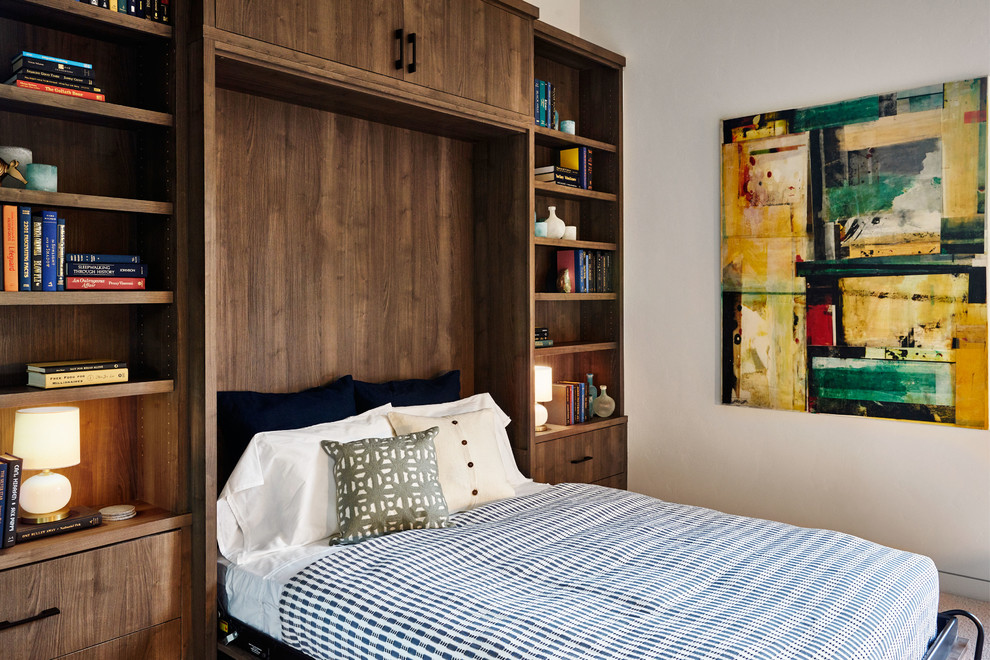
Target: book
(165, 15)
(66, 366)
(10, 278)
(24, 248)
(64, 91)
(573, 260)
(579, 159)
(53, 78)
(49, 63)
(77, 269)
(544, 343)
(579, 400)
(49, 238)
(104, 283)
(12, 493)
(557, 409)
(36, 252)
(76, 378)
(559, 175)
(3, 497)
(80, 517)
(113, 5)
(102, 258)
(60, 256)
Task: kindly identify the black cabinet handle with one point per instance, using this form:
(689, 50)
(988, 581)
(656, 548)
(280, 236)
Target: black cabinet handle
(398, 37)
(51, 611)
(581, 460)
(412, 63)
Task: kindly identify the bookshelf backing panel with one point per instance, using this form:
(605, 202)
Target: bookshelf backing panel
(350, 260)
(576, 366)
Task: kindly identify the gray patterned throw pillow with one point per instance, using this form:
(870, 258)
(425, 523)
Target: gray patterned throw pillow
(386, 485)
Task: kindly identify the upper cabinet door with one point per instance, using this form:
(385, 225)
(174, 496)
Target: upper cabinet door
(359, 33)
(470, 48)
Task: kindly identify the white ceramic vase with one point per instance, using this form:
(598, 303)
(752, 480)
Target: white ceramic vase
(604, 404)
(555, 226)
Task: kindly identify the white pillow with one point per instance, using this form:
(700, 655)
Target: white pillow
(280, 495)
(468, 460)
(471, 404)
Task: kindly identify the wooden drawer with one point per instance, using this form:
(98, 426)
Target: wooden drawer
(161, 642)
(101, 594)
(585, 457)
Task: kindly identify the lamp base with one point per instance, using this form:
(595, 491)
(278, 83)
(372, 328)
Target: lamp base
(29, 518)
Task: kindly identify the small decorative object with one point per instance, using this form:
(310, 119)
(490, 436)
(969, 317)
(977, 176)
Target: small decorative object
(564, 281)
(592, 394)
(9, 168)
(541, 228)
(570, 233)
(544, 393)
(555, 226)
(118, 512)
(17, 158)
(47, 439)
(556, 121)
(567, 126)
(604, 404)
(41, 177)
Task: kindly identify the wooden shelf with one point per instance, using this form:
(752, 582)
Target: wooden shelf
(555, 431)
(76, 201)
(548, 137)
(21, 298)
(21, 396)
(56, 106)
(574, 297)
(84, 19)
(566, 192)
(149, 520)
(576, 347)
(581, 245)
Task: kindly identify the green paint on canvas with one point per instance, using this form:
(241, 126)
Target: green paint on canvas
(865, 198)
(962, 235)
(928, 102)
(981, 168)
(855, 111)
(892, 381)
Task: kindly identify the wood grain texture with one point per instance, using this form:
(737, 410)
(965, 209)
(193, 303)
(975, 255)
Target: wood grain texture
(584, 458)
(356, 251)
(102, 594)
(159, 642)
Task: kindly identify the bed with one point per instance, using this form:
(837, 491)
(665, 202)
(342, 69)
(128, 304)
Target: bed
(540, 571)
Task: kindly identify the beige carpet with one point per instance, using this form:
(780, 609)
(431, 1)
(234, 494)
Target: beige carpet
(978, 608)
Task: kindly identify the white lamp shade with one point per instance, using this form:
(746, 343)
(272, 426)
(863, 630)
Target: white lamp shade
(47, 438)
(544, 384)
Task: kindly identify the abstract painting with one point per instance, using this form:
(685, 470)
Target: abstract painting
(854, 258)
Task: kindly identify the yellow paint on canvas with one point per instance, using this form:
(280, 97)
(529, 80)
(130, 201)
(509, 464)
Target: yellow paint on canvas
(886, 131)
(960, 150)
(772, 365)
(971, 368)
(895, 245)
(919, 309)
(762, 264)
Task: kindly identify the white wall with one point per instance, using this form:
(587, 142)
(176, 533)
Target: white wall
(912, 486)
(565, 14)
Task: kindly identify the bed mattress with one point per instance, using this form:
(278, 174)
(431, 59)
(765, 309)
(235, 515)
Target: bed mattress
(581, 571)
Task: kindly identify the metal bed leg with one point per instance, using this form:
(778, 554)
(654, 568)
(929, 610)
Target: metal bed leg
(978, 655)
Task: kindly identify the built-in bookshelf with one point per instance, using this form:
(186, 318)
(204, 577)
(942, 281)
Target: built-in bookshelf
(117, 187)
(586, 328)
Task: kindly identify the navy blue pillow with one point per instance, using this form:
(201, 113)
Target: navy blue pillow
(412, 392)
(242, 414)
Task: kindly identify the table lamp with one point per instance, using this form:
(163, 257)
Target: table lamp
(544, 392)
(46, 439)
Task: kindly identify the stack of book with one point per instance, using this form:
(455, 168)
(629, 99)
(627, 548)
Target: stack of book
(102, 272)
(545, 105)
(159, 11)
(10, 488)
(569, 405)
(591, 270)
(578, 159)
(54, 75)
(73, 373)
(543, 338)
(562, 176)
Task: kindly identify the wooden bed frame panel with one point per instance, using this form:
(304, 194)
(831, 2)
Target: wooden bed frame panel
(345, 247)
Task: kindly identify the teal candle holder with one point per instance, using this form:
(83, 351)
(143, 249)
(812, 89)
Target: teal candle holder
(41, 177)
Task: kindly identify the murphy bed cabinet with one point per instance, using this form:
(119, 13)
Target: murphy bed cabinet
(121, 589)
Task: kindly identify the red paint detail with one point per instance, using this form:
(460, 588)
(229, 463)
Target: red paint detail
(818, 320)
(752, 160)
(769, 174)
(974, 116)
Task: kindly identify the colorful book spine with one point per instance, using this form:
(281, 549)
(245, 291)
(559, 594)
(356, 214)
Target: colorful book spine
(84, 66)
(166, 12)
(88, 258)
(81, 518)
(104, 283)
(106, 270)
(14, 465)
(24, 248)
(122, 6)
(113, 5)
(68, 366)
(49, 249)
(60, 256)
(36, 252)
(3, 499)
(34, 64)
(578, 158)
(64, 91)
(46, 78)
(76, 378)
(10, 248)
(579, 400)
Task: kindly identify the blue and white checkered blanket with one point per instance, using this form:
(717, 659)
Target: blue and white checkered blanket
(580, 571)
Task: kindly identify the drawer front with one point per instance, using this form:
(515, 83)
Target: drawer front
(101, 594)
(584, 458)
(161, 642)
